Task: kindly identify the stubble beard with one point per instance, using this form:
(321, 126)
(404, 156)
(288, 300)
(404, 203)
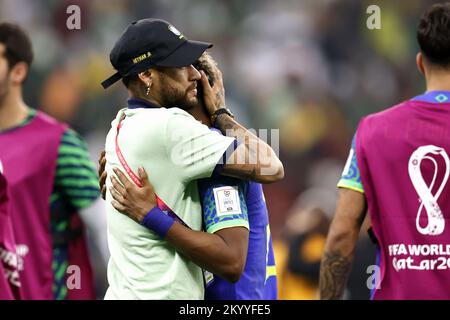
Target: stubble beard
(173, 97)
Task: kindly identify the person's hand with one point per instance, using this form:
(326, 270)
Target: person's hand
(131, 200)
(102, 174)
(214, 96)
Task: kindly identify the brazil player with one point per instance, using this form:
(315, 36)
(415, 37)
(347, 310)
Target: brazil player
(227, 204)
(155, 61)
(51, 184)
(398, 169)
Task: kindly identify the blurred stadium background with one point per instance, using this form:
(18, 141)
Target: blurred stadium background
(309, 68)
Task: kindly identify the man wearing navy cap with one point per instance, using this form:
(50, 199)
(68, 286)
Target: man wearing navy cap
(154, 61)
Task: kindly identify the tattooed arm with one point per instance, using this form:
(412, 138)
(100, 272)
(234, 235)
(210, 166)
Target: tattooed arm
(253, 159)
(341, 242)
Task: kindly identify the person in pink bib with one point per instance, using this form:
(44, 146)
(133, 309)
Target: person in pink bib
(53, 192)
(398, 171)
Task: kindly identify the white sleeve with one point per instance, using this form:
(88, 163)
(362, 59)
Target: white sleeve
(193, 149)
(94, 216)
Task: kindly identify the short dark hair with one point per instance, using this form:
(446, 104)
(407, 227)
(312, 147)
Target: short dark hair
(17, 44)
(433, 34)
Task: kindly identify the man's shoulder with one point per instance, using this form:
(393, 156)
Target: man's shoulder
(47, 120)
(153, 111)
(143, 112)
(383, 127)
(142, 120)
(157, 116)
(384, 121)
(44, 127)
(178, 111)
(392, 111)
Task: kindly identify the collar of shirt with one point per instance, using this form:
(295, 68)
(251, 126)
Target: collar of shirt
(134, 103)
(31, 114)
(434, 97)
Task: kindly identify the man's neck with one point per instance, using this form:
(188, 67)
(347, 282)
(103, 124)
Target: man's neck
(149, 99)
(13, 111)
(438, 81)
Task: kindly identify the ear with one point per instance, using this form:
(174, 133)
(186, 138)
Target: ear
(420, 63)
(146, 77)
(19, 73)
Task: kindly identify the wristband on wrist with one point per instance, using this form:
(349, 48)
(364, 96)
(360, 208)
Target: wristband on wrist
(218, 112)
(157, 221)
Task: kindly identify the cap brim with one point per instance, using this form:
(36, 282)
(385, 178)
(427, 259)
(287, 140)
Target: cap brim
(111, 80)
(185, 55)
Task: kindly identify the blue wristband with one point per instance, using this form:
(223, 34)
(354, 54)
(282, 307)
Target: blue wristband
(157, 221)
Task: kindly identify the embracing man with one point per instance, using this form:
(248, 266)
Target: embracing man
(155, 132)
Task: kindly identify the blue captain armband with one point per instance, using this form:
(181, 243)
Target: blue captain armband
(157, 221)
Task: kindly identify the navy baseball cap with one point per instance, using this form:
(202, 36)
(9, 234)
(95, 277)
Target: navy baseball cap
(152, 42)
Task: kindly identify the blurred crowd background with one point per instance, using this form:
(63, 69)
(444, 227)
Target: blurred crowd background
(310, 68)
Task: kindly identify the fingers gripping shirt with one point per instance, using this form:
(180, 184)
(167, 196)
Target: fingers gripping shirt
(351, 178)
(223, 202)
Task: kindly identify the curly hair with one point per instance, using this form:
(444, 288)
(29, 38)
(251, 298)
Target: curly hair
(208, 65)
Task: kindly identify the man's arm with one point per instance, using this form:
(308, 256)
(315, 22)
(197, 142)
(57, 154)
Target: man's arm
(77, 182)
(94, 217)
(253, 159)
(223, 253)
(341, 243)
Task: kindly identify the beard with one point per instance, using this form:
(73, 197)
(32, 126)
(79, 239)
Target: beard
(176, 97)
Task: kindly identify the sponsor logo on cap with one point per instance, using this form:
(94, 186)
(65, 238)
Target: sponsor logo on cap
(142, 57)
(175, 31)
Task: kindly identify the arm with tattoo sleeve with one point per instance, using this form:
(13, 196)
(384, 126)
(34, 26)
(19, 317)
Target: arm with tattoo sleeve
(341, 242)
(253, 159)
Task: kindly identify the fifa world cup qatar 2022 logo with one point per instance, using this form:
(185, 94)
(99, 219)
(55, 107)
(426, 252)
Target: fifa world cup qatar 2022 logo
(436, 222)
